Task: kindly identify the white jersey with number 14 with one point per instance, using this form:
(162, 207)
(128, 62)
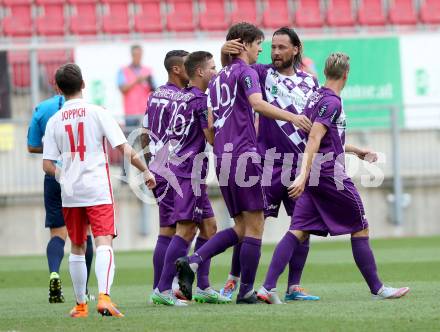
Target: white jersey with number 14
(76, 136)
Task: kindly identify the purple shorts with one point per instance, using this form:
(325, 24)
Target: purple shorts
(193, 205)
(277, 193)
(163, 193)
(246, 194)
(323, 209)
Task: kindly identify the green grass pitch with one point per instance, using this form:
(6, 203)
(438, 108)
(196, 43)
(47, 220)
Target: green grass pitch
(345, 305)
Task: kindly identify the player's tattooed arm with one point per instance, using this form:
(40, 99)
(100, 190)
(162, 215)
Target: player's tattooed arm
(363, 154)
(231, 47)
(272, 112)
(209, 132)
(312, 147)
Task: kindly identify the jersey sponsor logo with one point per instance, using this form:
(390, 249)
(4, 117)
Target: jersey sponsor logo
(274, 90)
(323, 110)
(314, 98)
(248, 82)
(272, 207)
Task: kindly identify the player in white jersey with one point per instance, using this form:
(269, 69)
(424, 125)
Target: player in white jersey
(75, 138)
(283, 85)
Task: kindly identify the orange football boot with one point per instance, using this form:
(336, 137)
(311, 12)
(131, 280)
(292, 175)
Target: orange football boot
(106, 307)
(80, 311)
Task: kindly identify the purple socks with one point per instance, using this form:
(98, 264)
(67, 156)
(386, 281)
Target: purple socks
(214, 246)
(364, 258)
(249, 257)
(281, 257)
(203, 270)
(297, 262)
(159, 256)
(178, 247)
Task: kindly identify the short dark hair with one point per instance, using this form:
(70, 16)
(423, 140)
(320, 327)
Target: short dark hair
(246, 32)
(69, 79)
(294, 39)
(195, 60)
(173, 58)
(135, 47)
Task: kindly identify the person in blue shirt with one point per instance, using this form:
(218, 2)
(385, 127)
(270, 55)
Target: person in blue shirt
(52, 200)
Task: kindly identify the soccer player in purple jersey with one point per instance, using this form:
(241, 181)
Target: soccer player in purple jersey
(188, 132)
(153, 139)
(234, 94)
(285, 86)
(330, 204)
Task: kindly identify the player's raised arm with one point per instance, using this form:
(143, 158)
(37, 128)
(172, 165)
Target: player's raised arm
(261, 106)
(231, 47)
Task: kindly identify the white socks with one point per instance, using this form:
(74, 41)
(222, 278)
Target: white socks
(104, 268)
(231, 277)
(78, 273)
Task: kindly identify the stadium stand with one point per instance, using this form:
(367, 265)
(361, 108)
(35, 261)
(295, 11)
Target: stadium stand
(276, 14)
(244, 10)
(49, 61)
(51, 22)
(213, 15)
(18, 21)
(340, 13)
(308, 14)
(21, 72)
(83, 19)
(430, 12)
(116, 19)
(180, 15)
(148, 17)
(61, 18)
(371, 13)
(402, 12)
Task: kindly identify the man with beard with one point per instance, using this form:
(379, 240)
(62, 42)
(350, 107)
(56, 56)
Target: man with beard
(286, 87)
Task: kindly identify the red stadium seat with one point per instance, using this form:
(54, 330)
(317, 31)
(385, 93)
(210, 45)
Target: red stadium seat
(371, 12)
(21, 71)
(83, 20)
(308, 14)
(340, 13)
(149, 19)
(116, 20)
(276, 14)
(244, 11)
(51, 23)
(19, 21)
(402, 12)
(51, 60)
(430, 12)
(213, 15)
(180, 17)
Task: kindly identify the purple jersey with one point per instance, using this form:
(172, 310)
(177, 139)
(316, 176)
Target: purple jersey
(158, 114)
(186, 136)
(325, 107)
(233, 115)
(289, 93)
